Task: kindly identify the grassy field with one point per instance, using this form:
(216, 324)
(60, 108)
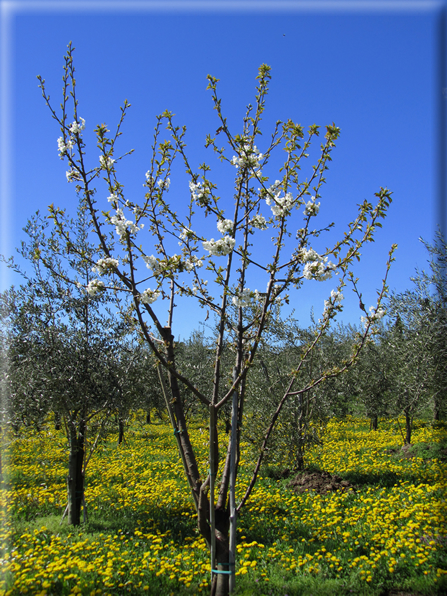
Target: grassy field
(389, 534)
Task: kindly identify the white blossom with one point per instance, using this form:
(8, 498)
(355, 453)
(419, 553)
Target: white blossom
(113, 198)
(64, 147)
(148, 296)
(336, 298)
(224, 226)
(73, 175)
(192, 262)
(149, 179)
(197, 190)
(76, 128)
(248, 157)
(122, 225)
(273, 189)
(309, 255)
(259, 222)
(185, 233)
(94, 287)
(374, 316)
(220, 247)
(104, 265)
(317, 267)
(246, 297)
(152, 263)
(312, 208)
(164, 184)
(280, 206)
(61, 146)
(106, 162)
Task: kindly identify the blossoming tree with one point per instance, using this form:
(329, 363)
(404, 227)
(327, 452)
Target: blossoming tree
(260, 212)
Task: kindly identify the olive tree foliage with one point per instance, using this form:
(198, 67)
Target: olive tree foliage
(284, 342)
(432, 284)
(308, 414)
(417, 341)
(304, 418)
(63, 344)
(370, 381)
(196, 359)
(410, 371)
(340, 392)
(136, 383)
(4, 362)
(27, 401)
(144, 264)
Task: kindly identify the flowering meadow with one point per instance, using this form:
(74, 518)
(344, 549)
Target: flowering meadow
(141, 538)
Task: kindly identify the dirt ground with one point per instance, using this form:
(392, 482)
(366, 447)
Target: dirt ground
(320, 482)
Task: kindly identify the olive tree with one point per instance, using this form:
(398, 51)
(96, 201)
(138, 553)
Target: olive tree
(431, 287)
(261, 211)
(417, 343)
(136, 383)
(63, 342)
(370, 381)
(28, 402)
(301, 419)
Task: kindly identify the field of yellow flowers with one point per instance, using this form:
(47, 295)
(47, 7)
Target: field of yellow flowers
(140, 536)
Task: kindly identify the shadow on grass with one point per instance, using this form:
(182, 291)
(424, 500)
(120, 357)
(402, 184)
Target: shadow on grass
(160, 520)
(283, 584)
(386, 479)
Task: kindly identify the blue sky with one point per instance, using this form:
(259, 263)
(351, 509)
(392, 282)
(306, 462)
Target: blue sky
(371, 72)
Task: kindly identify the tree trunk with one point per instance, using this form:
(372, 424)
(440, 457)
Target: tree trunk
(438, 407)
(220, 585)
(407, 427)
(300, 430)
(182, 435)
(75, 482)
(120, 430)
(299, 460)
(57, 421)
(374, 422)
(148, 417)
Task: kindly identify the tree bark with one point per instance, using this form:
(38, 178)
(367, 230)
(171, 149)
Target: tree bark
(374, 422)
(75, 482)
(120, 430)
(182, 435)
(407, 426)
(220, 585)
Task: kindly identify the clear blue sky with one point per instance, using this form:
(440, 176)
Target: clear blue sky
(371, 72)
